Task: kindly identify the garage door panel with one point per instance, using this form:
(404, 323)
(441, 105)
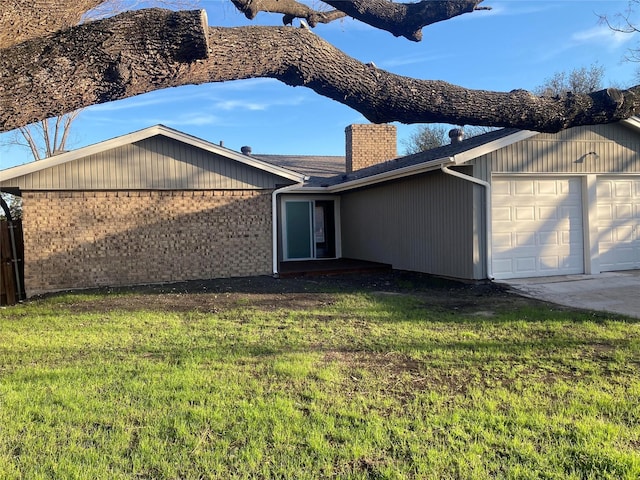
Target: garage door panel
(572, 212)
(623, 189)
(524, 213)
(624, 211)
(605, 212)
(542, 234)
(623, 234)
(503, 240)
(572, 237)
(549, 263)
(548, 213)
(502, 214)
(525, 187)
(605, 236)
(548, 187)
(525, 265)
(618, 209)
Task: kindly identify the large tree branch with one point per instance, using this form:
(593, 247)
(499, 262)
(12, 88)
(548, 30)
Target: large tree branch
(66, 75)
(400, 19)
(22, 20)
(98, 62)
(289, 8)
(297, 57)
(405, 19)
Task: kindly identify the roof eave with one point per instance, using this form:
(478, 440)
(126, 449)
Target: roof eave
(489, 147)
(633, 122)
(379, 178)
(232, 154)
(137, 136)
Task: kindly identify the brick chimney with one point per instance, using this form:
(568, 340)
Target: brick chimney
(369, 144)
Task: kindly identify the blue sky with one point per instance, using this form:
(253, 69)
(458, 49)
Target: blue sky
(518, 44)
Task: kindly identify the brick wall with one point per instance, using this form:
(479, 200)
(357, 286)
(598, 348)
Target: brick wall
(87, 239)
(369, 144)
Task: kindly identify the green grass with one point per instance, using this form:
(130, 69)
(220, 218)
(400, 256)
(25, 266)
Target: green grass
(363, 386)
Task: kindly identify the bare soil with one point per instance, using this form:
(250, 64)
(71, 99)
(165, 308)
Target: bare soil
(268, 293)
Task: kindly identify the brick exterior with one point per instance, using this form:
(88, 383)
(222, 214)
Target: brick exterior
(369, 144)
(88, 239)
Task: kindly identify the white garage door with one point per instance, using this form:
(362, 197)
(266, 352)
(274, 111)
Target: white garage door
(619, 223)
(536, 227)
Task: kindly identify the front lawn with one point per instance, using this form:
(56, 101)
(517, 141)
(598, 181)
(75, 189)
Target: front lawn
(396, 379)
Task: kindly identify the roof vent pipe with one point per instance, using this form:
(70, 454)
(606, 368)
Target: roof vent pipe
(456, 135)
(246, 150)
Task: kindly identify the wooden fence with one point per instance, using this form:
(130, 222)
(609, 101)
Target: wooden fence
(11, 262)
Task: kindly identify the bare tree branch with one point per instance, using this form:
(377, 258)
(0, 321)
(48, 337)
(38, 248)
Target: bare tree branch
(400, 19)
(405, 19)
(291, 9)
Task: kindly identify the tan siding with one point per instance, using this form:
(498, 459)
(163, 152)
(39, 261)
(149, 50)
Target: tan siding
(156, 163)
(423, 224)
(617, 148)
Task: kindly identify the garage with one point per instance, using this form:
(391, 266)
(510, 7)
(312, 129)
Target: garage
(537, 226)
(618, 223)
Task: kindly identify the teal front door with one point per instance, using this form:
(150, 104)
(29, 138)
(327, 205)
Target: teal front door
(299, 230)
(309, 231)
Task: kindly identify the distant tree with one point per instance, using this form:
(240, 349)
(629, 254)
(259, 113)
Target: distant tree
(426, 137)
(11, 203)
(583, 80)
(579, 80)
(625, 22)
(46, 137)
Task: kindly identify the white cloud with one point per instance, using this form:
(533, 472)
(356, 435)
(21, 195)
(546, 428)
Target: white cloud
(188, 120)
(404, 60)
(511, 9)
(240, 105)
(254, 106)
(601, 34)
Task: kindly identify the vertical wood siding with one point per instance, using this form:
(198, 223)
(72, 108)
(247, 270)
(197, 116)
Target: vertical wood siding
(156, 163)
(617, 148)
(424, 224)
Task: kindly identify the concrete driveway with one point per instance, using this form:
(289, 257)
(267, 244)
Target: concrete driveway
(617, 292)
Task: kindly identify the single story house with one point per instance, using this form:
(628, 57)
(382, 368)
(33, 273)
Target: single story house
(159, 205)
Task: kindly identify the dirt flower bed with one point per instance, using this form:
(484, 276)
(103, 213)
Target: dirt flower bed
(268, 293)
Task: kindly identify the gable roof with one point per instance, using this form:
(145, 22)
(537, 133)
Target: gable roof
(141, 135)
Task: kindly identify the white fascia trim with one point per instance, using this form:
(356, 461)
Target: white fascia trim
(489, 147)
(381, 177)
(393, 174)
(56, 160)
(133, 137)
(633, 122)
